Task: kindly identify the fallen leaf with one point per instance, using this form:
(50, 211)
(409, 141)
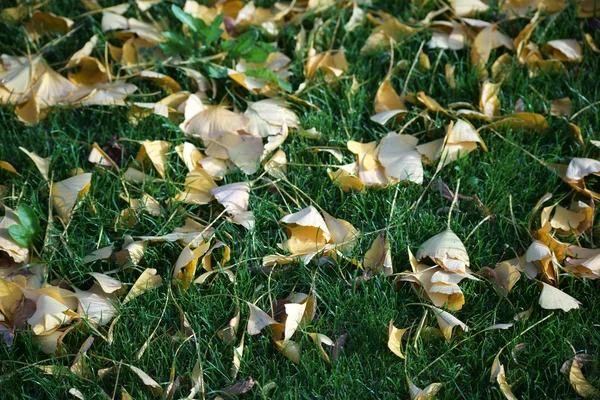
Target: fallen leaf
(429, 393)
(65, 194)
(395, 339)
(147, 380)
(447, 322)
(146, 281)
(554, 299)
(42, 164)
(379, 257)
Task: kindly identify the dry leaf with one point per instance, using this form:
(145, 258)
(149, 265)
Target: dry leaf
(554, 299)
(395, 339)
(147, 380)
(379, 257)
(578, 381)
(447, 322)
(146, 281)
(429, 393)
(42, 164)
(235, 197)
(65, 194)
(258, 320)
(499, 375)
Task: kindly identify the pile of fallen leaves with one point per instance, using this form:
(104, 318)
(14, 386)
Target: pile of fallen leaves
(228, 50)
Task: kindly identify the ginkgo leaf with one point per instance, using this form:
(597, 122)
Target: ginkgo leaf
(215, 121)
(579, 168)
(446, 248)
(42, 164)
(379, 257)
(291, 350)
(190, 155)
(95, 307)
(146, 281)
(332, 63)
(14, 250)
(47, 22)
(147, 380)
(258, 320)
(369, 168)
(395, 339)
(345, 180)
(581, 385)
(268, 116)
(50, 314)
(100, 254)
(384, 34)
(565, 50)
(321, 340)
(561, 107)
(99, 156)
(235, 197)
(399, 157)
(65, 194)
(429, 393)
(156, 152)
(197, 188)
(499, 375)
(386, 98)
(107, 283)
(294, 313)
(488, 101)
(488, 39)
(276, 166)
(555, 299)
(228, 333)
(447, 322)
(467, 8)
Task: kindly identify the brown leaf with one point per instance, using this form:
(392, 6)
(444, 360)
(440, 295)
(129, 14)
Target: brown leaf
(238, 388)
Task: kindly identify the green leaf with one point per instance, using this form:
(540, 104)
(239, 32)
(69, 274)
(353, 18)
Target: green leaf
(176, 44)
(186, 18)
(213, 32)
(215, 71)
(269, 75)
(21, 235)
(256, 55)
(242, 44)
(29, 218)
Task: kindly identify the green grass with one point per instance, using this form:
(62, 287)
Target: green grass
(367, 369)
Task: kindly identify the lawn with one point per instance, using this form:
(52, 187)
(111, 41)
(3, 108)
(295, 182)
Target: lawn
(508, 180)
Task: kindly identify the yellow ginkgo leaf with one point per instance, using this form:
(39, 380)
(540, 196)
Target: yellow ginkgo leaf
(42, 164)
(379, 257)
(332, 63)
(395, 339)
(429, 393)
(399, 158)
(499, 375)
(107, 283)
(146, 281)
(65, 194)
(47, 22)
(5, 165)
(215, 121)
(258, 320)
(581, 385)
(147, 380)
(565, 50)
(235, 197)
(447, 322)
(321, 340)
(554, 299)
(155, 152)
